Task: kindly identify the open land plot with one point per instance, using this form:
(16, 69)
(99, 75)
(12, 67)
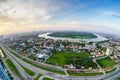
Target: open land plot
(83, 74)
(62, 58)
(106, 62)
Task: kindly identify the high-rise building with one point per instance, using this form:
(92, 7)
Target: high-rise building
(3, 74)
(109, 51)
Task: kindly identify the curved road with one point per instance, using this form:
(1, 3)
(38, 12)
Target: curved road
(110, 76)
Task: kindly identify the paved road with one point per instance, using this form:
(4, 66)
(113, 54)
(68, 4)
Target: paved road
(57, 68)
(19, 68)
(113, 76)
(64, 77)
(102, 70)
(41, 78)
(11, 72)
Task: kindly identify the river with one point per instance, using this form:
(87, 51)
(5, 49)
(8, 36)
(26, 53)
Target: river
(99, 38)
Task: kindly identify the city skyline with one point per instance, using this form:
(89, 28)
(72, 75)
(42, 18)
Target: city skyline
(78, 15)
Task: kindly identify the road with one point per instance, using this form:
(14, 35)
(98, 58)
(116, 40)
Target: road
(99, 66)
(19, 68)
(55, 76)
(11, 72)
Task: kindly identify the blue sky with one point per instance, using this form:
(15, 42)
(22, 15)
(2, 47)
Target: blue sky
(86, 9)
(78, 15)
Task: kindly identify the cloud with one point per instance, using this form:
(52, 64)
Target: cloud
(25, 15)
(28, 15)
(33, 11)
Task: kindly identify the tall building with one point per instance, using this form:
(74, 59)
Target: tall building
(109, 51)
(3, 74)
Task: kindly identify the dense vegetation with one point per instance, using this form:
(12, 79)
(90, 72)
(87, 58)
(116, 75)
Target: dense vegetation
(62, 58)
(80, 35)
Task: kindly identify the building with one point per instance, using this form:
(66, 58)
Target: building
(109, 51)
(3, 74)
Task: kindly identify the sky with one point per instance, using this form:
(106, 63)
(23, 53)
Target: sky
(61, 15)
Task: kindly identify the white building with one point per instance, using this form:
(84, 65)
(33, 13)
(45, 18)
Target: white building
(40, 56)
(109, 51)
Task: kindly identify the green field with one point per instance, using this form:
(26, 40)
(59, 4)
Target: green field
(106, 62)
(118, 78)
(62, 58)
(47, 78)
(111, 70)
(81, 35)
(37, 78)
(28, 71)
(84, 74)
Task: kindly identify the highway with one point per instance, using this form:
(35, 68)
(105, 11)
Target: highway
(11, 72)
(113, 76)
(19, 68)
(110, 76)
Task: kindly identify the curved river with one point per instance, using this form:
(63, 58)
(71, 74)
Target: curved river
(99, 38)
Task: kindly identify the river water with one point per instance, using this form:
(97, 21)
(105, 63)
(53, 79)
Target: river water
(99, 38)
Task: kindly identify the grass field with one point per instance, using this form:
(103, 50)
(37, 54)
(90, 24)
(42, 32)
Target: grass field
(84, 74)
(111, 70)
(28, 71)
(12, 67)
(37, 78)
(62, 58)
(106, 62)
(47, 78)
(118, 78)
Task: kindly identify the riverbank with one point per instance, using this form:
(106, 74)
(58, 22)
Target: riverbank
(99, 38)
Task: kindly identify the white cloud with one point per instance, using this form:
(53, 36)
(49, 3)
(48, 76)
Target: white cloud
(23, 15)
(29, 10)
